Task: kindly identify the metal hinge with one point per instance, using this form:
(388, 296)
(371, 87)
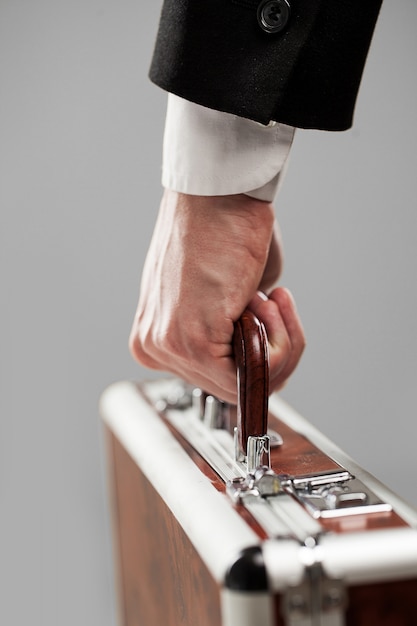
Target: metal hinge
(318, 600)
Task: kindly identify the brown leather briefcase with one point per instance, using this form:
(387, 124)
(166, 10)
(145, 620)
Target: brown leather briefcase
(226, 517)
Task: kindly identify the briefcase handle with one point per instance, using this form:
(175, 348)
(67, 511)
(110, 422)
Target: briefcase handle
(250, 347)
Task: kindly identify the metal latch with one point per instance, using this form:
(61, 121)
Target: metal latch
(336, 495)
(262, 482)
(323, 496)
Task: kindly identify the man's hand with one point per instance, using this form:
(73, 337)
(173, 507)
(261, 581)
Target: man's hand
(207, 259)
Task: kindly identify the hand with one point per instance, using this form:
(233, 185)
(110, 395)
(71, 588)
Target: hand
(206, 261)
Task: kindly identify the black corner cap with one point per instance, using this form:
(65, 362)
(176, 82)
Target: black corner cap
(248, 572)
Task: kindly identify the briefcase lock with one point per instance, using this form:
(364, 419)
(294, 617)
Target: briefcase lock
(334, 495)
(262, 482)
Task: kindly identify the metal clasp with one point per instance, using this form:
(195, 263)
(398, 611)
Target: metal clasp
(263, 482)
(336, 495)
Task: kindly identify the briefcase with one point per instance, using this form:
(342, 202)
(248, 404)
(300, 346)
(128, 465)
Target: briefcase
(248, 515)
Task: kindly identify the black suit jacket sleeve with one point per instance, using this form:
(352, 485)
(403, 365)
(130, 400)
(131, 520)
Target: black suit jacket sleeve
(215, 53)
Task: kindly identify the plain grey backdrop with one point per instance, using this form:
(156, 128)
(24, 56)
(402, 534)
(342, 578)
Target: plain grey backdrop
(80, 146)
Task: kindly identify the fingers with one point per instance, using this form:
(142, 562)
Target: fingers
(285, 333)
(293, 325)
(214, 373)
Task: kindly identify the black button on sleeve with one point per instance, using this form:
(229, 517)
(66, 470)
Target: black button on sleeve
(273, 15)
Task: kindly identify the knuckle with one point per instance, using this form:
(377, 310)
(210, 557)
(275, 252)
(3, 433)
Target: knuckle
(134, 345)
(167, 343)
(138, 353)
(139, 347)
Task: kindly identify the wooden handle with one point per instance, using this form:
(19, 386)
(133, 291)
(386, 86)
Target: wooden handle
(250, 346)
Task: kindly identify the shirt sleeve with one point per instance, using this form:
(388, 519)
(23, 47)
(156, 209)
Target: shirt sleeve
(212, 153)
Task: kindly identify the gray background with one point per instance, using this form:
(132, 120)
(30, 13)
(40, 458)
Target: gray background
(80, 166)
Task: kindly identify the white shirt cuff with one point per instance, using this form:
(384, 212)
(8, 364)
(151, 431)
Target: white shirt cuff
(210, 153)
